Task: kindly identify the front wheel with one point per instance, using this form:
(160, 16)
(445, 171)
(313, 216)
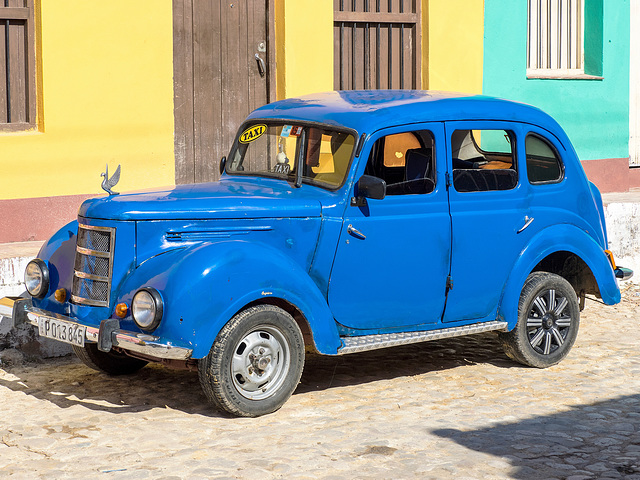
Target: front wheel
(548, 321)
(113, 363)
(255, 363)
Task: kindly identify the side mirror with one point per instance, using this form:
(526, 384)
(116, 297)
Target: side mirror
(223, 163)
(369, 187)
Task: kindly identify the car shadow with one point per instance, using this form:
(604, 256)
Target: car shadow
(323, 372)
(587, 441)
(67, 382)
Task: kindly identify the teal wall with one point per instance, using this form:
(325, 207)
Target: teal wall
(594, 113)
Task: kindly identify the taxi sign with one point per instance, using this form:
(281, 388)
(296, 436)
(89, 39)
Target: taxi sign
(252, 133)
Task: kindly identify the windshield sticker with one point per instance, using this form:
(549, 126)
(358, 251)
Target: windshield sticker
(286, 130)
(252, 133)
(290, 130)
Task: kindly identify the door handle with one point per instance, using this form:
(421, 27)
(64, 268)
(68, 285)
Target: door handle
(261, 66)
(527, 222)
(355, 232)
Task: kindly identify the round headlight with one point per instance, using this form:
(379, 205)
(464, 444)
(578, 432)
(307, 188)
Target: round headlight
(146, 308)
(36, 278)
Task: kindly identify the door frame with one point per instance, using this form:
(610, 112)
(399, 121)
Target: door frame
(342, 299)
(462, 307)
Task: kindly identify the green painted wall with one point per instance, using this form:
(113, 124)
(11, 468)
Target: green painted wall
(594, 113)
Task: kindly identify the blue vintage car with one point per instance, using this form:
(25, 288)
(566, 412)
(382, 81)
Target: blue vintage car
(343, 222)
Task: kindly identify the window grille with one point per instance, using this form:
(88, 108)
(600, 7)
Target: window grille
(555, 37)
(377, 44)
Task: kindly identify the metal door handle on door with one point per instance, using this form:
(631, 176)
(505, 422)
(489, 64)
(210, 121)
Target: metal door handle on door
(355, 232)
(527, 222)
(261, 66)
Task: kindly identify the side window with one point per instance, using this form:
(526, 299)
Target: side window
(405, 161)
(543, 162)
(483, 160)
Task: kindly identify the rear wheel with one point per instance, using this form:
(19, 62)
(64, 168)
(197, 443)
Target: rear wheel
(255, 363)
(548, 321)
(113, 363)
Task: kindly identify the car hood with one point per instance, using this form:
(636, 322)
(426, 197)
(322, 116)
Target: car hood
(230, 199)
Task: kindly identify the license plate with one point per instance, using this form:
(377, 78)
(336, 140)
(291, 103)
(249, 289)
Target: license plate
(62, 331)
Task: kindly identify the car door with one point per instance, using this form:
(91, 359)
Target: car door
(392, 259)
(490, 210)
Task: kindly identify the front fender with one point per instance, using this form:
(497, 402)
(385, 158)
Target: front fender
(205, 285)
(553, 239)
(59, 254)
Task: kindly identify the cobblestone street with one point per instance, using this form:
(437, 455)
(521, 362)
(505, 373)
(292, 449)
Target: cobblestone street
(447, 409)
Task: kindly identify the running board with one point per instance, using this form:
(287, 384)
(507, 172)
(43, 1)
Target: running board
(374, 342)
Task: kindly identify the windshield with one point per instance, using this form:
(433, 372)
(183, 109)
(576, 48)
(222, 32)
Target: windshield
(276, 150)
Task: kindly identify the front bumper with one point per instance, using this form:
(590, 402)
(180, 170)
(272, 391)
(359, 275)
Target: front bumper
(20, 310)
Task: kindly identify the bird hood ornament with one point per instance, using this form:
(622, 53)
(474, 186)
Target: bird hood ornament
(109, 183)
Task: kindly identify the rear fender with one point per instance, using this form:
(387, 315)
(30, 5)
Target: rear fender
(553, 239)
(206, 285)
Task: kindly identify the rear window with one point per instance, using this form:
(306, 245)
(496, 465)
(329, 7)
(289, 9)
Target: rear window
(543, 162)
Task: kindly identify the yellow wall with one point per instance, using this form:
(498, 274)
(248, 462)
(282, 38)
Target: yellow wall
(106, 96)
(304, 47)
(453, 45)
(106, 85)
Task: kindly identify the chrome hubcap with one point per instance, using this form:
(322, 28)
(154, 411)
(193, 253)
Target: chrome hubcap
(260, 363)
(548, 322)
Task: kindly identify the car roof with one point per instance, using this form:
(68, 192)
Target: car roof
(369, 110)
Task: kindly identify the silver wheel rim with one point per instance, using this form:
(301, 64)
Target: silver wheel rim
(548, 322)
(260, 363)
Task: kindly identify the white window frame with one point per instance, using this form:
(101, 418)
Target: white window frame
(555, 38)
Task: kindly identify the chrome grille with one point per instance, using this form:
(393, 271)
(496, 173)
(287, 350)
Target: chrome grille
(99, 240)
(93, 267)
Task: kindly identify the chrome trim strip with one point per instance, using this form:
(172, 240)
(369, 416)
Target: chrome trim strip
(143, 343)
(212, 233)
(93, 227)
(90, 276)
(87, 301)
(374, 342)
(93, 253)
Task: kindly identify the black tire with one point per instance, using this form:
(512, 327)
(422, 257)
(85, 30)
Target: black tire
(113, 363)
(255, 363)
(548, 321)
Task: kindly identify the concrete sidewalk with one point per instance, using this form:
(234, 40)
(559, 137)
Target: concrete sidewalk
(13, 260)
(622, 214)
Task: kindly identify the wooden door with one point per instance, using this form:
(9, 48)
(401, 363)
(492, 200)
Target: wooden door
(218, 79)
